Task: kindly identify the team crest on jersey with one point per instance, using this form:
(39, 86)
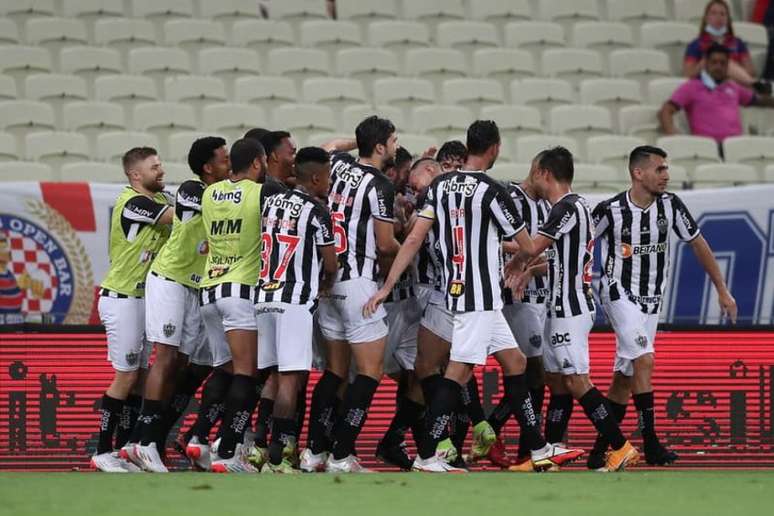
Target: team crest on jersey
(663, 225)
(132, 358)
(169, 329)
(272, 286)
(45, 268)
(457, 288)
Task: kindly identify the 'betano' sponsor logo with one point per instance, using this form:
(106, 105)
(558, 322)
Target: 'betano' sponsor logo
(628, 250)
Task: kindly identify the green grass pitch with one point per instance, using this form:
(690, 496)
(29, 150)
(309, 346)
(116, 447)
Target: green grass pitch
(652, 493)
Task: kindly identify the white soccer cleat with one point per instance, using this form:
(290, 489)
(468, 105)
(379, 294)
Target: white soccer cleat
(349, 464)
(198, 454)
(108, 462)
(150, 458)
(313, 463)
(236, 464)
(434, 464)
(129, 454)
(551, 456)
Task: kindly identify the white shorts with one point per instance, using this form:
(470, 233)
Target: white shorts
(527, 322)
(424, 293)
(478, 335)
(202, 355)
(124, 321)
(403, 322)
(341, 313)
(223, 315)
(284, 336)
(566, 349)
(172, 315)
(635, 333)
(437, 319)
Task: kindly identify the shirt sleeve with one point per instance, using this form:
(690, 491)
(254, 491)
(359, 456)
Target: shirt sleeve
(143, 210)
(745, 95)
(382, 200)
(188, 200)
(683, 95)
(323, 234)
(693, 51)
(741, 49)
(428, 207)
(683, 224)
(268, 189)
(600, 219)
(505, 214)
(561, 220)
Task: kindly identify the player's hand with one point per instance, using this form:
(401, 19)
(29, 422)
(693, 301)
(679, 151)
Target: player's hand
(727, 306)
(373, 304)
(514, 266)
(518, 283)
(430, 152)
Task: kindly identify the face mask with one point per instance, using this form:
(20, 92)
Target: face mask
(708, 81)
(716, 32)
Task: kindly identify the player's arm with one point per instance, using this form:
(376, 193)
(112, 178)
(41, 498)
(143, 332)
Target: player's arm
(387, 245)
(707, 260)
(167, 216)
(340, 145)
(517, 283)
(330, 267)
(402, 260)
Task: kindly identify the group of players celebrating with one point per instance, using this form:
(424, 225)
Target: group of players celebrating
(273, 260)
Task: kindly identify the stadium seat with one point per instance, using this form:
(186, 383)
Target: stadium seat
(612, 93)
(159, 62)
(55, 89)
(689, 151)
(298, 63)
(568, 12)
(159, 11)
(580, 121)
(124, 34)
(636, 12)
(503, 64)
(768, 174)
(320, 139)
(197, 91)
(660, 90)
(268, 92)
(90, 62)
(92, 9)
(21, 117)
(56, 148)
(678, 177)
(433, 12)
(193, 35)
(335, 92)
(22, 10)
(417, 143)
(9, 33)
(640, 121)
(534, 36)
(180, 144)
(297, 10)
(597, 177)
(514, 120)
(757, 151)
(229, 63)
(472, 93)
(352, 115)
(20, 61)
(111, 146)
(262, 35)
(757, 120)
(128, 90)
(527, 147)
(690, 11)
(639, 63)
(93, 118)
(509, 172)
(436, 64)
(330, 35)
(8, 150)
(229, 12)
(500, 13)
(54, 34)
(176, 172)
(8, 89)
(367, 64)
(233, 120)
(441, 121)
(467, 36)
(403, 93)
(670, 37)
(542, 93)
(163, 118)
(303, 120)
(366, 11)
(572, 64)
(757, 40)
(718, 175)
(15, 170)
(95, 172)
(612, 150)
(603, 37)
(398, 35)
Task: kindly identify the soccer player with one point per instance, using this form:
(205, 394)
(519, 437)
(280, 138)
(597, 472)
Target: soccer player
(567, 238)
(172, 319)
(231, 213)
(633, 229)
(451, 155)
(139, 226)
(472, 214)
(280, 154)
(361, 202)
(297, 236)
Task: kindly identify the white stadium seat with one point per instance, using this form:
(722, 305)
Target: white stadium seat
(589, 176)
(443, 122)
(8, 89)
(514, 120)
(56, 147)
(90, 62)
(660, 90)
(21, 117)
(228, 62)
(233, 120)
(180, 144)
(265, 91)
(112, 145)
(639, 63)
(640, 121)
(690, 11)
(124, 33)
(602, 36)
(689, 151)
(472, 93)
(93, 9)
(302, 120)
(466, 35)
(542, 93)
(162, 10)
(22, 10)
(499, 12)
(335, 92)
(195, 90)
(159, 62)
(580, 121)
(717, 175)
(417, 143)
(330, 35)
(768, 174)
(433, 11)
(298, 63)
(176, 172)
(509, 172)
(128, 90)
(572, 64)
(534, 36)
(367, 64)
(25, 171)
(94, 117)
(297, 10)
(503, 64)
(757, 151)
(398, 35)
(404, 93)
(613, 93)
(9, 33)
(56, 33)
(163, 118)
(756, 37)
(20, 61)
(569, 12)
(436, 64)
(670, 37)
(262, 35)
(612, 149)
(56, 89)
(229, 12)
(193, 34)
(366, 10)
(8, 149)
(527, 147)
(636, 11)
(94, 172)
(352, 115)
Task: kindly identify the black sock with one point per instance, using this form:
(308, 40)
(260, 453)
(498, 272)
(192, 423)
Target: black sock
(515, 387)
(429, 386)
(619, 412)
(187, 384)
(460, 424)
(150, 422)
(645, 415)
(439, 413)
(283, 430)
(240, 403)
(536, 394)
(110, 411)
(211, 407)
(127, 430)
(595, 406)
(558, 417)
(263, 422)
(417, 425)
(472, 401)
(322, 411)
(500, 415)
(301, 406)
(357, 401)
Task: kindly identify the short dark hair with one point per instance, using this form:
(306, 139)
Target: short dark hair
(202, 151)
(717, 48)
(402, 156)
(558, 160)
(272, 140)
(256, 133)
(371, 132)
(643, 153)
(243, 153)
(136, 154)
(482, 134)
(453, 149)
(309, 155)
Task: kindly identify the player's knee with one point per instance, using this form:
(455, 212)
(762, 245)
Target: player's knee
(512, 361)
(577, 384)
(644, 363)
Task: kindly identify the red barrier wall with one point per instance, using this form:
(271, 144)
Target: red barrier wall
(714, 397)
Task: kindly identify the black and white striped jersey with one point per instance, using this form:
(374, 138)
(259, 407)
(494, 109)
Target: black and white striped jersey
(294, 225)
(403, 289)
(472, 213)
(570, 257)
(359, 195)
(534, 213)
(634, 245)
(425, 262)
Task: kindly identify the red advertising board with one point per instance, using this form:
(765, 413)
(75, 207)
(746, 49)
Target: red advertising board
(714, 397)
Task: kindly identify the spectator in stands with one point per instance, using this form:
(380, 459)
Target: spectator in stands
(716, 28)
(711, 101)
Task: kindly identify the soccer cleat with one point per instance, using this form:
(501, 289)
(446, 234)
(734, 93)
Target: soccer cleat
(285, 467)
(394, 455)
(525, 466)
(618, 460)
(129, 454)
(313, 463)
(598, 455)
(108, 462)
(150, 458)
(498, 455)
(257, 455)
(434, 464)
(199, 454)
(446, 451)
(484, 437)
(349, 464)
(658, 455)
(236, 464)
(552, 455)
